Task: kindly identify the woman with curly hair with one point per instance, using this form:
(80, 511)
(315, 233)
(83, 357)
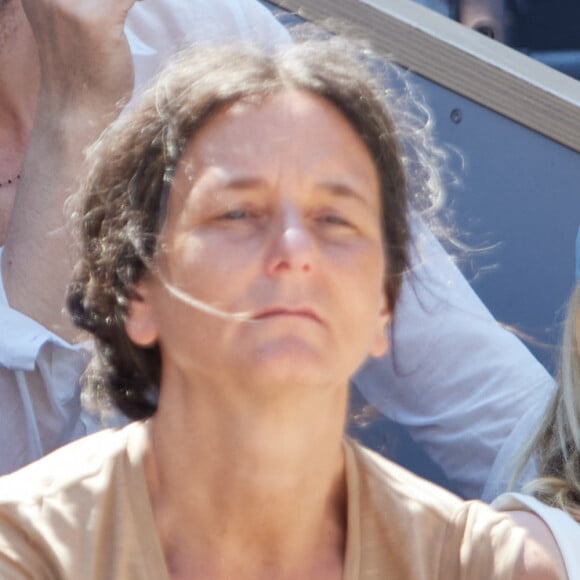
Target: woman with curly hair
(244, 232)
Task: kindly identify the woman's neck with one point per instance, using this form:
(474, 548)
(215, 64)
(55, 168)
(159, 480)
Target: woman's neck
(255, 489)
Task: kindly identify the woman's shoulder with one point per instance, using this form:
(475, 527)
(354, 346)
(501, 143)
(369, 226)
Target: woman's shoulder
(433, 523)
(66, 468)
(80, 508)
(395, 489)
(383, 474)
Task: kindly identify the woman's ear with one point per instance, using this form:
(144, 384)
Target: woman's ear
(381, 342)
(141, 324)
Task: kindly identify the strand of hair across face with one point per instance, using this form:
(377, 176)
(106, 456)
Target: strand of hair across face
(185, 297)
(189, 300)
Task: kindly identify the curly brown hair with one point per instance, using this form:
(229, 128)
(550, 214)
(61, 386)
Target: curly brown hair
(121, 205)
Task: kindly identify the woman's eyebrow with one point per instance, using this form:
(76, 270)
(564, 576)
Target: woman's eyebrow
(346, 190)
(243, 182)
(336, 188)
(230, 183)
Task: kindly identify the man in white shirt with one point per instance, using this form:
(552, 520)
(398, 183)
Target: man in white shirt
(463, 393)
(64, 65)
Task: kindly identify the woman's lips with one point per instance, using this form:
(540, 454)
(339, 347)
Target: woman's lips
(301, 312)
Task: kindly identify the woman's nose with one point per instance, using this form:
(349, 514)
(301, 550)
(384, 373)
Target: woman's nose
(292, 247)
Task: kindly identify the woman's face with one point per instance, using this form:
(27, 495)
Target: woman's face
(275, 212)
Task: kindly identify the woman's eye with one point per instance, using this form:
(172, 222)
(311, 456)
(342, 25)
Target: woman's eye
(334, 219)
(236, 214)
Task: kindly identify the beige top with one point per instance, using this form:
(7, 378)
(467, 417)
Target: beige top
(84, 512)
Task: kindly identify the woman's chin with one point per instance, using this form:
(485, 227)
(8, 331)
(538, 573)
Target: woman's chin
(291, 360)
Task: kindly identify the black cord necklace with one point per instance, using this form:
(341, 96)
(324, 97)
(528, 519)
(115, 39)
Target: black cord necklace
(10, 181)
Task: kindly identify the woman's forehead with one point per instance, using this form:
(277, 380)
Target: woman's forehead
(292, 129)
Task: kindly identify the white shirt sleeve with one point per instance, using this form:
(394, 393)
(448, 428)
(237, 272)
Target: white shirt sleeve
(564, 528)
(465, 388)
(156, 29)
(39, 389)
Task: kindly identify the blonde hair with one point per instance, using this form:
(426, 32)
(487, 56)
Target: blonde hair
(556, 443)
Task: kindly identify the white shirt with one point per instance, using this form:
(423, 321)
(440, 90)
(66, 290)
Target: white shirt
(564, 528)
(156, 29)
(39, 396)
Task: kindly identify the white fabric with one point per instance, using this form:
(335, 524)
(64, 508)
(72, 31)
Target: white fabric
(463, 386)
(39, 402)
(39, 373)
(156, 29)
(468, 391)
(564, 528)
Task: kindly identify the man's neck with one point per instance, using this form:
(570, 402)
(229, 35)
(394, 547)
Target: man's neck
(19, 83)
